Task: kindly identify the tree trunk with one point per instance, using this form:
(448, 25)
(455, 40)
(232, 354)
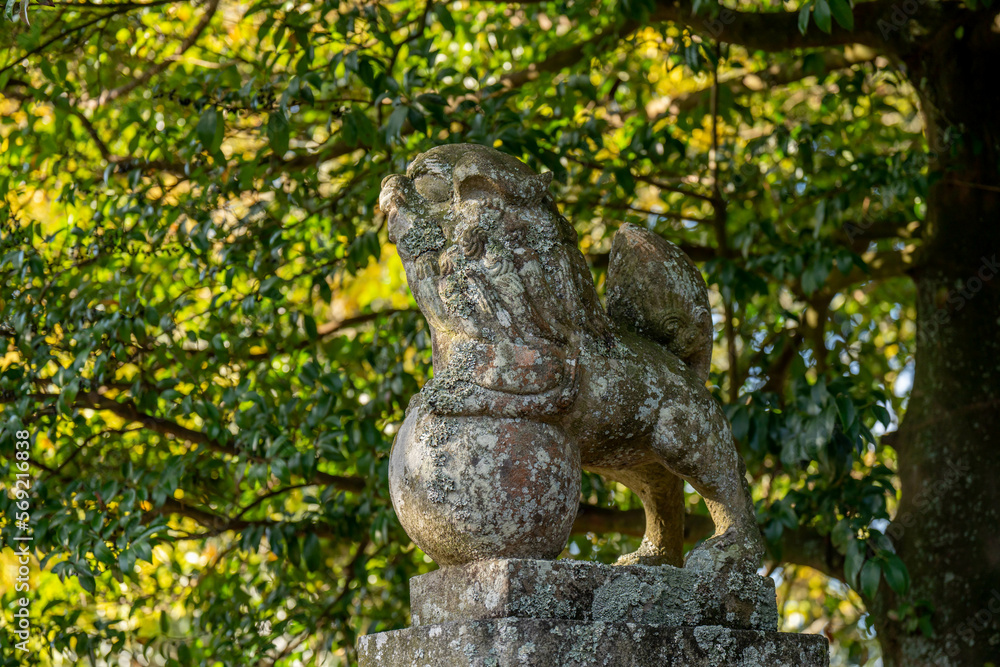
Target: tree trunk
(946, 527)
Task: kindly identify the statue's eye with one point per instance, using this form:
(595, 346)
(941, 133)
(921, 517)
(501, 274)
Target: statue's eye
(432, 188)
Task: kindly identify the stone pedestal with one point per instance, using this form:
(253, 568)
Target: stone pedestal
(567, 613)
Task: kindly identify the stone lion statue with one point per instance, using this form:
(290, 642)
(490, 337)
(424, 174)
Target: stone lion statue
(533, 378)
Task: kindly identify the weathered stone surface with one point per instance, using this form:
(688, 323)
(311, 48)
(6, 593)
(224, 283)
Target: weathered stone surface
(472, 487)
(585, 591)
(565, 613)
(561, 643)
(520, 337)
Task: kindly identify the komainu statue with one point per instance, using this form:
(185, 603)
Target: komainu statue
(533, 379)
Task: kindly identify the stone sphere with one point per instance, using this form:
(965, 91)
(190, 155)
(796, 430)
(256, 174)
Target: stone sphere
(475, 488)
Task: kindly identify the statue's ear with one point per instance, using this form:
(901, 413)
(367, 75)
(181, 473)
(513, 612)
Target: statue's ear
(473, 175)
(537, 187)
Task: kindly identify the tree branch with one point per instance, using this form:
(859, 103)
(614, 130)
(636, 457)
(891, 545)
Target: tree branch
(777, 31)
(657, 183)
(881, 266)
(329, 328)
(774, 76)
(553, 63)
(92, 131)
(189, 41)
(803, 546)
(216, 524)
(698, 253)
(859, 234)
(594, 519)
(128, 411)
(774, 31)
(62, 35)
(669, 215)
(564, 58)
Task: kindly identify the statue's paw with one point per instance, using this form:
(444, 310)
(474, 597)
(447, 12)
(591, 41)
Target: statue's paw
(731, 548)
(646, 554)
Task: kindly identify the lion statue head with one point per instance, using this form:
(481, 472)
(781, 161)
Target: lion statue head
(486, 251)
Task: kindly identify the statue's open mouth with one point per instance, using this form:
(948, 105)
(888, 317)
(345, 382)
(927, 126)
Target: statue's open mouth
(391, 195)
(393, 217)
(393, 201)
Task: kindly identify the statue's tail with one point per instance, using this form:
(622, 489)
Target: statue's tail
(653, 287)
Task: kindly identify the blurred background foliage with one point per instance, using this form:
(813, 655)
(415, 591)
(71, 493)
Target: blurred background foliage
(212, 342)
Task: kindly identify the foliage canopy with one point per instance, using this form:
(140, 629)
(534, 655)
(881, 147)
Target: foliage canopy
(211, 342)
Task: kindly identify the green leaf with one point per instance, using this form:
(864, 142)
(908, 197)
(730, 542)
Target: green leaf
(366, 72)
(804, 17)
(417, 120)
(854, 559)
(871, 573)
(822, 16)
(277, 132)
(164, 622)
(741, 423)
(310, 326)
(815, 275)
(126, 560)
(311, 554)
(395, 123)
(842, 534)
(882, 414)
(846, 410)
(445, 17)
(881, 540)
(843, 13)
(102, 554)
(205, 131)
(896, 574)
(293, 549)
(87, 582)
(280, 470)
(431, 100)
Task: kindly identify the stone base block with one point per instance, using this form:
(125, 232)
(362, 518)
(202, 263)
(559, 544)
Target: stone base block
(524, 642)
(587, 591)
(567, 613)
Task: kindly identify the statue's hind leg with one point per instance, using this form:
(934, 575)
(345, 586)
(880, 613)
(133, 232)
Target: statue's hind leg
(662, 496)
(694, 440)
